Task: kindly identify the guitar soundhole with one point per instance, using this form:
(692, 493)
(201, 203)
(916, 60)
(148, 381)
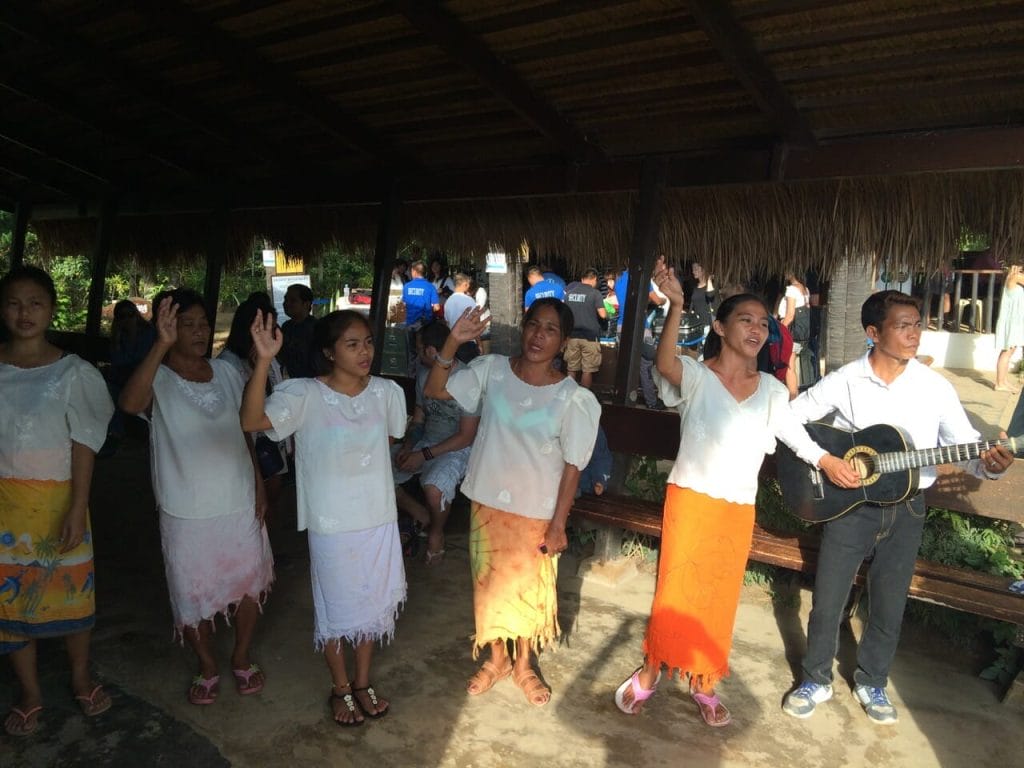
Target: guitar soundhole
(863, 461)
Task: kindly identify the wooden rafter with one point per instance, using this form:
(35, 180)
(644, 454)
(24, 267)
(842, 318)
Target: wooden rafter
(736, 46)
(244, 60)
(447, 32)
(232, 139)
(70, 105)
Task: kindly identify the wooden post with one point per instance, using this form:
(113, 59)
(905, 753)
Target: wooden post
(100, 257)
(505, 300)
(216, 251)
(22, 212)
(646, 224)
(384, 257)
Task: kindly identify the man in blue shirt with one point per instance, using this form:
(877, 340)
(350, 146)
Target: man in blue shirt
(541, 288)
(654, 296)
(420, 296)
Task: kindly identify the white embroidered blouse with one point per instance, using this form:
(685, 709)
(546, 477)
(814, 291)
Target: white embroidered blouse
(44, 409)
(200, 461)
(527, 435)
(342, 451)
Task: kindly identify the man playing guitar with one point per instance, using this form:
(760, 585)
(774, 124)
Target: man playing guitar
(886, 386)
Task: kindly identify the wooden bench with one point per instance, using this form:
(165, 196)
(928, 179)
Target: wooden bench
(637, 431)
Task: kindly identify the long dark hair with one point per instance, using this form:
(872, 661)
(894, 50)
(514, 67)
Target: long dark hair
(713, 344)
(240, 337)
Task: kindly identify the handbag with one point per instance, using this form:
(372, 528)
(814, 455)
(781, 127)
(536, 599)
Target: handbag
(268, 456)
(800, 328)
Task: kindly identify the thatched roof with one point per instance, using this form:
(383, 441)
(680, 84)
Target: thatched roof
(732, 229)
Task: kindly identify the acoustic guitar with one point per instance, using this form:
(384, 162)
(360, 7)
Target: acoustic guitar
(884, 456)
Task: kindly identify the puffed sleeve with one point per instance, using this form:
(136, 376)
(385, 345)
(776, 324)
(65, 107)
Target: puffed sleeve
(398, 414)
(286, 407)
(579, 428)
(467, 385)
(89, 406)
(671, 395)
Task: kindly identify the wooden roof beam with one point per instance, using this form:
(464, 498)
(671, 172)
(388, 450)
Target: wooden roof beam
(245, 61)
(69, 104)
(23, 19)
(447, 32)
(737, 48)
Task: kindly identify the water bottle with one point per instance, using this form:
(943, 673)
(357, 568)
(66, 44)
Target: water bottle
(345, 292)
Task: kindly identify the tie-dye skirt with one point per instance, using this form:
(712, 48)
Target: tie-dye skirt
(43, 592)
(213, 563)
(514, 592)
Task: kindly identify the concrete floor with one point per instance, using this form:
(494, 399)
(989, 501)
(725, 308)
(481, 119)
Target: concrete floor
(949, 716)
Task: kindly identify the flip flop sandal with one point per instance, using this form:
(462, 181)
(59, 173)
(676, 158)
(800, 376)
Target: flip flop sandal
(91, 707)
(433, 558)
(24, 717)
(350, 704)
(640, 694)
(531, 685)
(372, 696)
(209, 687)
(243, 680)
(709, 706)
(488, 675)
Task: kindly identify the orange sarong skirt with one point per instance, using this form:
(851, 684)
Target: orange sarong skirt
(704, 547)
(514, 593)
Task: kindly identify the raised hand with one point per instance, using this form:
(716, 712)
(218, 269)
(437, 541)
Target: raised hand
(167, 322)
(470, 325)
(665, 278)
(266, 338)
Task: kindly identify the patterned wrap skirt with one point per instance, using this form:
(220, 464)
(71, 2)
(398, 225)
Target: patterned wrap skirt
(514, 584)
(212, 564)
(704, 547)
(43, 592)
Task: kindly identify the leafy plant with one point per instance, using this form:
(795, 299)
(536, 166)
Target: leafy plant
(645, 480)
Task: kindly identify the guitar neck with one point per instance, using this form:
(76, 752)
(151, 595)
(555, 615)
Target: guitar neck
(899, 461)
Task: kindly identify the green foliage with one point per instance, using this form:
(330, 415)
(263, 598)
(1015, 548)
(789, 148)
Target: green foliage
(973, 240)
(645, 480)
(334, 269)
(639, 546)
(771, 512)
(71, 277)
(968, 541)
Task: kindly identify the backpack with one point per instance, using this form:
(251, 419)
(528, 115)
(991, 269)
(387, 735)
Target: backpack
(800, 328)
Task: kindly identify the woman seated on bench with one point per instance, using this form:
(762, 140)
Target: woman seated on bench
(734, 414)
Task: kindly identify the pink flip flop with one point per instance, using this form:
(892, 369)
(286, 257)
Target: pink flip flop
(208, 687)
(640, 694)
(709, 706)
(243, 680)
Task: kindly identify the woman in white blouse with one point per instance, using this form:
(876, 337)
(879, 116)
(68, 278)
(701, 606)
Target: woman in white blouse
(537, 431)
(53, 418)
(211, 500)
(344, 422)
(730, 417)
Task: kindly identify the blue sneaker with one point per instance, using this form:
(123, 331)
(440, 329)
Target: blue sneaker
(801, 702)
(876, 704)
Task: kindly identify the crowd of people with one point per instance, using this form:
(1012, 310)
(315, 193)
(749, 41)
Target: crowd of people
(518, 433)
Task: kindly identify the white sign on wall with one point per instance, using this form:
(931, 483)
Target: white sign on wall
(269, 257)
(497, 263)
(279, 284)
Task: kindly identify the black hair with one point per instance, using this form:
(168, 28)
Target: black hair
(565, 318)
(534, 270)
(328, 330)
(713, 344)
(304, 291)
(417, 267)
(589, 274)
(185, 298)
(876, 308)
(433, 334)
(30, 274)
(240, 336)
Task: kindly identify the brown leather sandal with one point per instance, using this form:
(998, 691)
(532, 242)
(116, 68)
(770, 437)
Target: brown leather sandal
(485, 677)
(536, 692)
